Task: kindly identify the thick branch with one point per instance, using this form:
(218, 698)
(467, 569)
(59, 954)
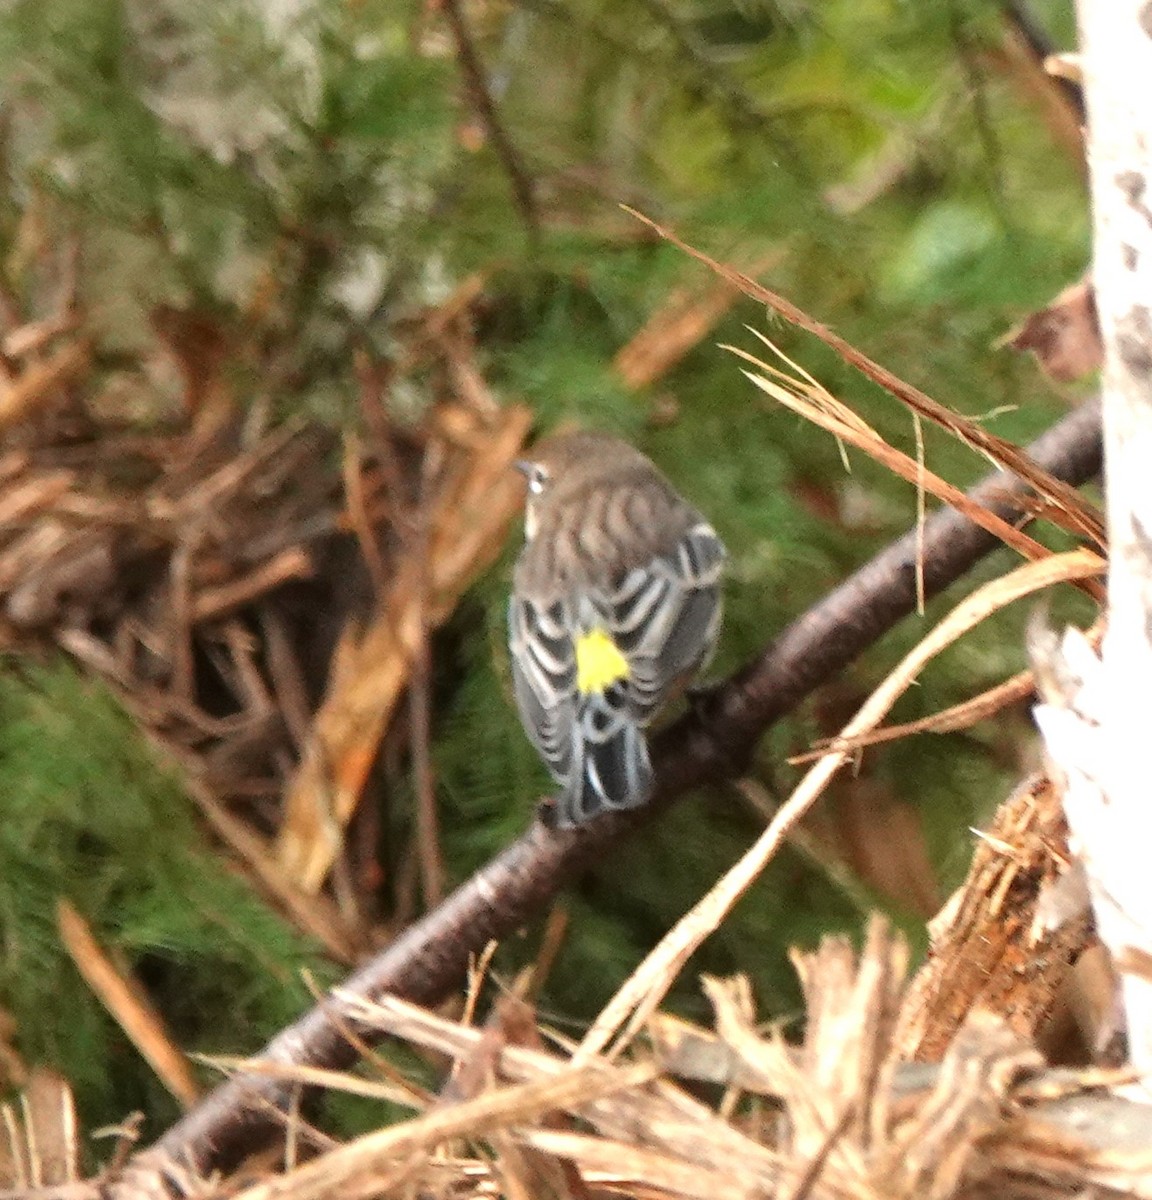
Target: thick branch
(430, 958)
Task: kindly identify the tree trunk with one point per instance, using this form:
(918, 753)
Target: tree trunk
(1098, 717)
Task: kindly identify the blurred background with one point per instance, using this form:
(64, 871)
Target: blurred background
(285, 285)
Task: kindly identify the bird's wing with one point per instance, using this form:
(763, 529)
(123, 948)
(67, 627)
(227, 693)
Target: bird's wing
(544, 679)
(611, 769)
(666, 617)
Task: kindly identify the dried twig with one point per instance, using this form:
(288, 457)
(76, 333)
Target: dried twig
(420, 706)
(949, 720)
(41, 381)
(128, 1004)
(816, 404)
(997, 450)
(314, 914)
(293, 563)
(678, 326)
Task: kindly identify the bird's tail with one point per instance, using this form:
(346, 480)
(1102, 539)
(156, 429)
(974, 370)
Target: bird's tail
(610, 767)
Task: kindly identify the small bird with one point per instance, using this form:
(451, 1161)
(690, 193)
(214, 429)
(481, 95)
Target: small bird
(615, 608)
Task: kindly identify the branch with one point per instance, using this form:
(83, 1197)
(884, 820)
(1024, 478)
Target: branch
(714, 740)
(522, 187)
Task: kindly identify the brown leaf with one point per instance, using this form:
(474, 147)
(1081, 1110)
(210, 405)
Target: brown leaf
(199, 347)
(883, 839)
(1064, 336)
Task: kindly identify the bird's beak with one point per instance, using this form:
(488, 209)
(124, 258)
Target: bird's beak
(524, 466)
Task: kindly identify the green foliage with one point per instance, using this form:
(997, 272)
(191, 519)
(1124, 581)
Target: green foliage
(89, 816)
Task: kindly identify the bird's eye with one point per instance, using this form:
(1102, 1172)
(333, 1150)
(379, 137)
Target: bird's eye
(537, 479)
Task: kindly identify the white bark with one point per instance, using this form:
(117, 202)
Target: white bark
(1098, 720)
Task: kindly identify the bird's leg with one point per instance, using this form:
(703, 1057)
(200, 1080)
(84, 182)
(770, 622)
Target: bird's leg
(546, 811)
(701, 700)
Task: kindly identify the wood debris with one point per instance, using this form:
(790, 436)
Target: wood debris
(843, 1115)
(256, 596)
(991, 946)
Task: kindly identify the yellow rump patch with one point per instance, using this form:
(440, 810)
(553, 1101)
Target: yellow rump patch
(599, 663)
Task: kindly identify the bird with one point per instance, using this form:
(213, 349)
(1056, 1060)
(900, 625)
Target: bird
(615, 608)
